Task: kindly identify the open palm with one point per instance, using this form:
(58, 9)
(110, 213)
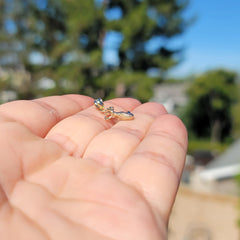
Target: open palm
(66, 173)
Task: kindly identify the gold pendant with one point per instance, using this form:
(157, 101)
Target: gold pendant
(110, 113)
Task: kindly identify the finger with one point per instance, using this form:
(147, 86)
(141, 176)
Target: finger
(155, 167)
(113, 146)
(76, 132)
(42, 114)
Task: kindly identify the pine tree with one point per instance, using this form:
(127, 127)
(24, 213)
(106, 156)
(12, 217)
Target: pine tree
(64, 41)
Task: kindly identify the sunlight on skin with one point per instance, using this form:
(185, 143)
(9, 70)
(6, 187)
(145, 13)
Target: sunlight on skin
(66, 173)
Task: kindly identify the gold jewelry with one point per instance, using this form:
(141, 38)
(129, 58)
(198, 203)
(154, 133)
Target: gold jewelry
(110, 113)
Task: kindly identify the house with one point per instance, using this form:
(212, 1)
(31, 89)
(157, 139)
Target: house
(171, 95)
(219, 174)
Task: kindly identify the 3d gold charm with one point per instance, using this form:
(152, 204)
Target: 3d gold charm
(110, 113)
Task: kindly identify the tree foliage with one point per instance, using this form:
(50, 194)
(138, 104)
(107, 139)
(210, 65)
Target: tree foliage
(64, 40)
(236, 114)
(211, 97)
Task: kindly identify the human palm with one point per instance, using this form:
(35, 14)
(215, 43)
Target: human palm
(66, 173)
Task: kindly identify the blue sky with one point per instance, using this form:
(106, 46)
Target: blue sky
(213, 41)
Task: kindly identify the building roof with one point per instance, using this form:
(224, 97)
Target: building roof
(225, 166)
(170, 95)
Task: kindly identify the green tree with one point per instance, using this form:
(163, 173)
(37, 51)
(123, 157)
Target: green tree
(236, 114)
(211, 97)
(68, 38)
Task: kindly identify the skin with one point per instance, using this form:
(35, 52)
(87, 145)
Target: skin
(66, 173)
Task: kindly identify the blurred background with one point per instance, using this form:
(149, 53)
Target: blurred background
(183, 54)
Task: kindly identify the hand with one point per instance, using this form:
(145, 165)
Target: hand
(66, 173)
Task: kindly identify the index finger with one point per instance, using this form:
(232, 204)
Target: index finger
(40, 115)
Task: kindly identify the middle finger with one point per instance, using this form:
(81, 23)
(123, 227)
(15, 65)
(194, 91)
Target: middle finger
(113, 146)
